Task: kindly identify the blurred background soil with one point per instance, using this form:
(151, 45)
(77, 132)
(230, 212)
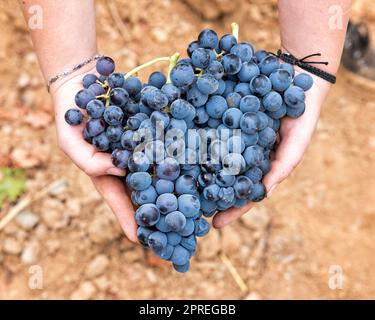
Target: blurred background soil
(321, 220)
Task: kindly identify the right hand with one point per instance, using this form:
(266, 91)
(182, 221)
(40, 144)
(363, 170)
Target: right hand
(97, 165)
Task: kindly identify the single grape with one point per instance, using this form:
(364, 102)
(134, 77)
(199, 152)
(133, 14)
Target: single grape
(196, 97)
(168, 169)
(260, 85)
(166, 203)
(227, 42)
(101, 142)
(83, 97)
(191, 47)
(180, 256)
(207, 84)
(105, 66)
(139, 181)
(243, 187)
(164, 186)
(188, 204)
(272, 101)
(267, 137)
(248, 71)
(182, 75)
(200, 58)
(138, 162)
(216, 106)
(303, 80)
(173, 238)
(269, 64)
(296, 111)
(113, 115)
(208, 39)
(119, 97)
(157, 240)
(95, 127)
(185, 184)
(157, 79)
(88, 80)
(114, 133)
(133, 86)
(171, 91)
(175, 221)
(182, 268)
(148, 195)
(120, 158)
(116, 80)
(73, 117)
(95, 108)
(259, 55)
(231, 118)
(243, 50)
(294, 96)
(281, 80)
(231, 63)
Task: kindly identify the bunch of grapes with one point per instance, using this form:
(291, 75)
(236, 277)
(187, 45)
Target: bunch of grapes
(195, 142)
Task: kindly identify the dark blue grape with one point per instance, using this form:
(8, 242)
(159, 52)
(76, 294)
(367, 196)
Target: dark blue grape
(281, 80)
(113, 115)
(231, 63)
(207, 84)
(101, 142)
(200, 58)
(95, 109)
(175, 221)
(182, 75)
(83, 97)
(119, 97)
(191, 47)
(243, 187)
(133, 86)
(116, 80)
(120, 158)
(157, 79)
(269, 64)
(105, 66)
(227, 42)
(95, 127)
(88, 80)
(260, 85)
(303, 80)
(248, 71)
(73, 117)
(208, 39)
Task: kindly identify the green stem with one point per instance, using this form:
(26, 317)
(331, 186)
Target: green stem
(145, 65)
(235, 29)
(172, 63)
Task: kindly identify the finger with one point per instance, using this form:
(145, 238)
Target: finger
(113, 191)
(84, 155)
(295, 137)
(226, 217)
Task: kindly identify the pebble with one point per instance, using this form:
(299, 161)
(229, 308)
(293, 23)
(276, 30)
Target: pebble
(97, 266)
(27, 220)
(103, 228)
(253, 296)
(30, 253)
(12, 246)
(54, 214)
(257, 218)
(85, 291)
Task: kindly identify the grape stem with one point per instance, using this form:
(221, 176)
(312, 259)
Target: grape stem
(172, 60)
(172, 63)
(235, 29)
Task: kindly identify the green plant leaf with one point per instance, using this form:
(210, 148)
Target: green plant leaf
(12, 184)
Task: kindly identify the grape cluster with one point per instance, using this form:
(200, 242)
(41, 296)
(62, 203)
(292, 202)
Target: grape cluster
(195, 142)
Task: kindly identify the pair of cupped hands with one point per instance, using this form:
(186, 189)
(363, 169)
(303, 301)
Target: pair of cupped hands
(295, 135)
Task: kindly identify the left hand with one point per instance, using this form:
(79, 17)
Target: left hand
(295, 136)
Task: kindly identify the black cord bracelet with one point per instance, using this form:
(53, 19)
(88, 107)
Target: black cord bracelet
(306, 65)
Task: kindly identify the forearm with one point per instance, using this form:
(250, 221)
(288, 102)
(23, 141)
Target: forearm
(68, 34)
(308, 27)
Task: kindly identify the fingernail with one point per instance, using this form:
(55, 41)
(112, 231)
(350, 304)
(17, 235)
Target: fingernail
(272, 189)
(115, 172)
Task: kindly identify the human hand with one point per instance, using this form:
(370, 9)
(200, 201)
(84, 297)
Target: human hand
(97, 165)
(295, 136)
